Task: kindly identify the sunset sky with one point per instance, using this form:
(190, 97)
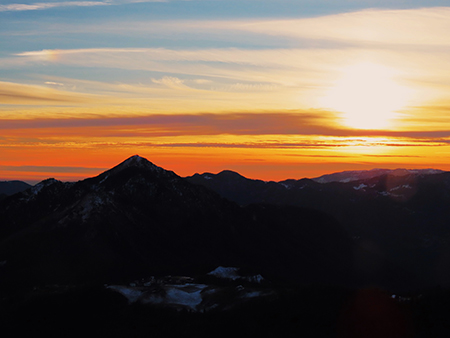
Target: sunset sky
(273, 89)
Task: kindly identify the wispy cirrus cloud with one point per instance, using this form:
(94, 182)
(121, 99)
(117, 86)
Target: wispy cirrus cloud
(48, 5)
(13, 7)
(171, 82)
(415, 42)
(270, 66)
(13, 93)
(294, 77)
(380, 27)
(423, 26)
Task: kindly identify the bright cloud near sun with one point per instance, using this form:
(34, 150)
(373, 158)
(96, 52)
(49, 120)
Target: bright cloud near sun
(367, 95)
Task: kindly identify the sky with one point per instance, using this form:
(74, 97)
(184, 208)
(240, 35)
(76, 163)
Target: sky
(271, 89)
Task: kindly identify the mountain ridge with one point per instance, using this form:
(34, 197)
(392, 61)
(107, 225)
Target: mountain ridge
(340, 176)
(356, 175)
(137, 219)
(400, 216)
(388, 230)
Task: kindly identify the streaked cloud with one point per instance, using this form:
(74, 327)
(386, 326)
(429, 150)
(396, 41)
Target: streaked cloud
(283, 67)
(171, 82)
(239, 79)
(51, 83)
(424, 26)
(47, 5)
(13, 93)
(298, 123)
(51, 169)
(415, 42)
(402, 28)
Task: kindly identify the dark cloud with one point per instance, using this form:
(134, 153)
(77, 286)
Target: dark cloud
(234, 123)
(262, 123)
(51, 169)
(313, 122)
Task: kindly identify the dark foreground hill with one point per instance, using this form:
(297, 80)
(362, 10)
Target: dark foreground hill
(137, 220)
(8, 188)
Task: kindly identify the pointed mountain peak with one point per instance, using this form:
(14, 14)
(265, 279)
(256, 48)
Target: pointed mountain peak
(137, 161)
(141, 163)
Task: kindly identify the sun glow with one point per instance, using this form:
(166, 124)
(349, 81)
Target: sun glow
(368, 96)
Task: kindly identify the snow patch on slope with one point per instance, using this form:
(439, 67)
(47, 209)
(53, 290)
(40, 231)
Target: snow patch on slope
(233, 274)
(225, 272)
(187, 296)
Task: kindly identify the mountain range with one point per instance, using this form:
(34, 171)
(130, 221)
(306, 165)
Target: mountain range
(137, 220)
(139, 251)
(379, 227)
(398, 219)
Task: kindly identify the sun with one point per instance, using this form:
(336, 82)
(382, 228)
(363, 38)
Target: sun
(367, 95)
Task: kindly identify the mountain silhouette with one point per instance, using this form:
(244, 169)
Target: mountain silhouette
(398, 219)
(138, 219)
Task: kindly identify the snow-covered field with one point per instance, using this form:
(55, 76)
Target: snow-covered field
(192, 296)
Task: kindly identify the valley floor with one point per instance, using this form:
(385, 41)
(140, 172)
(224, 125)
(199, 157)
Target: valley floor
(310, 311)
